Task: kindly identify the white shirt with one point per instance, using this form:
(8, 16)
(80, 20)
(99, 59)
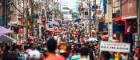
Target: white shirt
(34, 53)
(85, 58)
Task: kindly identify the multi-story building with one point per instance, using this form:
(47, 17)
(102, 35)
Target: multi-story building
(90, 13)
(1, 13)
(67, 15)
(25, 17)
(84, 13)
(4, 12)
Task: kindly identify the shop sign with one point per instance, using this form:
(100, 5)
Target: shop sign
(114, 46)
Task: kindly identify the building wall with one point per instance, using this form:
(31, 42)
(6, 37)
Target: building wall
(128, 8)
(139, 12)
(1, 7)
(116, 6)
(1, 10)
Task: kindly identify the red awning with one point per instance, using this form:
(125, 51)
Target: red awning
(117, 19)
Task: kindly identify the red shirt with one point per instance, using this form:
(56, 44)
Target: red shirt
(54, 57)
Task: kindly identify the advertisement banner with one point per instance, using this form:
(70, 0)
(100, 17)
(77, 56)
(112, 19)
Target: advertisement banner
(114, 46)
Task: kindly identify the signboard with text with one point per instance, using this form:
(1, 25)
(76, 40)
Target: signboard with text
(114, 46)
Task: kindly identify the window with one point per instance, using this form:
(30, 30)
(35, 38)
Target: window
(86, 13)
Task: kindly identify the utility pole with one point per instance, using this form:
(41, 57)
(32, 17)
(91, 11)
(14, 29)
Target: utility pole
(94, 16)
(5, 5)
(109, 7)
(90, 18)
(138, 26)
(32, 20)
(24, 21)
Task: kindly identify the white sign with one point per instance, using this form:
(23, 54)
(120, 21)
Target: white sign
(114, 46)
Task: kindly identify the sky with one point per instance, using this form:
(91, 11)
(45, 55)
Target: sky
(72, 4)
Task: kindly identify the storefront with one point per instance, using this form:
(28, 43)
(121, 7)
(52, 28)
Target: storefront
(124, 28)
(118, 28)
(130, 29)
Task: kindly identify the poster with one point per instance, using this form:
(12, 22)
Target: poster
(114, 46)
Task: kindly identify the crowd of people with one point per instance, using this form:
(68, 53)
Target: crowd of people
(47, 51)
(71, 44)
(52, 51)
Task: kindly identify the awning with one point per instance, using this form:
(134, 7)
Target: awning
(130, 17)
(4, 30)
(124, 18)
(130, 25)
(5, 38)
(117, 19)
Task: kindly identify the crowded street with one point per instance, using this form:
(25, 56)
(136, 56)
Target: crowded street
(69, 29)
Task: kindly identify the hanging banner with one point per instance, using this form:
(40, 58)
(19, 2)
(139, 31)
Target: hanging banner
(114, 46)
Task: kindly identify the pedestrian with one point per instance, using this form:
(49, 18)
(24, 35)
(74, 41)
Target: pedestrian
(63, 50)
(1, 52)
(34, 54)
(105, 55)
(21, 55)
(51, 55)
(117, 56)
(124, 56)
(111, 56)
(84, 51)
(76, 55)
(91, 54)
(9, 54)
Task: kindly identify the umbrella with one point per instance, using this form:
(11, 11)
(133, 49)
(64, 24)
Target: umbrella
(92, 39)
(5, 38)
(4, 30)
